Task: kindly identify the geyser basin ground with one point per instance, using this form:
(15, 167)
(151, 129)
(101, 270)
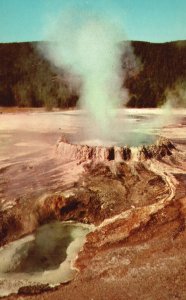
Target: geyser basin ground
(45, 257)
(138, 208)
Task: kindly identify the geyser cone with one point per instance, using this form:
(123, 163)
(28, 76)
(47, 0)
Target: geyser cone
(69, 151)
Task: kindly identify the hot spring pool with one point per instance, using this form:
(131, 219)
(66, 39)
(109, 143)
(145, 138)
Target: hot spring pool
(45, 257)
(131, 139)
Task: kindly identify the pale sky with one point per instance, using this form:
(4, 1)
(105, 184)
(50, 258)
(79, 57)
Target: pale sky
(147, 20)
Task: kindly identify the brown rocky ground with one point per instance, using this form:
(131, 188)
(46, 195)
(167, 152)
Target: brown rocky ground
(138, 248)
(148, 264)
(102, 191)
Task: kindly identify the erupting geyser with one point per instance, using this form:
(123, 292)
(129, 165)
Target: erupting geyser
(88, 46)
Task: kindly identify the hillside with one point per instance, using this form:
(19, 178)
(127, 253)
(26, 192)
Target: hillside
(27, 79)
(163, 68)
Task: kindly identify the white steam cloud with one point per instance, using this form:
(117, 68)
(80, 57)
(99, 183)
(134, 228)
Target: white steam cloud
(89, 47)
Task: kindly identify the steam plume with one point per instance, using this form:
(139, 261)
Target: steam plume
(88, 46)
(176, 97)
